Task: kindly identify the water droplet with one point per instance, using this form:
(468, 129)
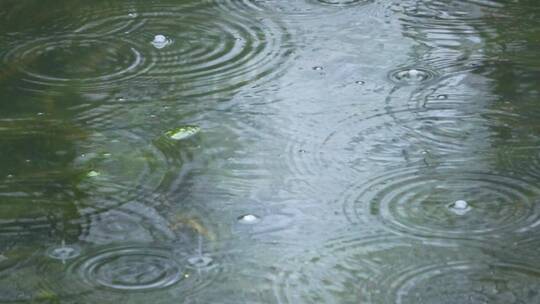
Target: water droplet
(64, 252)
(249, 219)
(200, 261)
(183, 132)
(93, 174)
(160, 41)
(318, 68)
(360, 82)
(412, 75)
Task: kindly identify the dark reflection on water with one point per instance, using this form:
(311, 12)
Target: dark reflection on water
(262, 151)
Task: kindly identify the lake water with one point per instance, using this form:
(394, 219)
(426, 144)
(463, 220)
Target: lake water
(270, 151)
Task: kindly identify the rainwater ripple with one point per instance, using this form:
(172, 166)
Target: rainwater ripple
(349, 268)
(466, 282)
(385, 268)
(208, 53)
(132, 272)
(416, 202)
(130, 268)
(396, 135)
(87, 62)
(295, 8)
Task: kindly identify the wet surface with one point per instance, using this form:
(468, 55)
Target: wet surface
(263, 151)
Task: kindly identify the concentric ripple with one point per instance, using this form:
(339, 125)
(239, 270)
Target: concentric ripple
(294, 8)
(87, 62)
(205, 52)
(137, 272)
(130, 268)
(412, 76)
(385, 268)
(395, 136)
(452, 25)
(317, 277)
(466, 282)
(348, 269)
(416, 202)
(208, 52)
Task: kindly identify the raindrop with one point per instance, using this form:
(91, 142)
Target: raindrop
(249, 219)
(412, 75)
(200, 261)
(64, 252)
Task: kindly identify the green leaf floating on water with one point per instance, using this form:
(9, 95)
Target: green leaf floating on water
(183, 132)
(93, 174)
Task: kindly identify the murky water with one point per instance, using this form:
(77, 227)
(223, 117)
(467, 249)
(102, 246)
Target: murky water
(269, 151)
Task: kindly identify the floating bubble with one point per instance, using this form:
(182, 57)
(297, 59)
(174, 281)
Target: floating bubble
(249, 219)
(460, 207)
(160, 41)
(442, 97)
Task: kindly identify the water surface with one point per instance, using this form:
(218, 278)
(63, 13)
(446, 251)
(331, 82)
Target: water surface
(265, 151)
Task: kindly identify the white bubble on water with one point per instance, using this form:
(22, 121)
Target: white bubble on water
(459, 207)
(160, 41)
(249, 219)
